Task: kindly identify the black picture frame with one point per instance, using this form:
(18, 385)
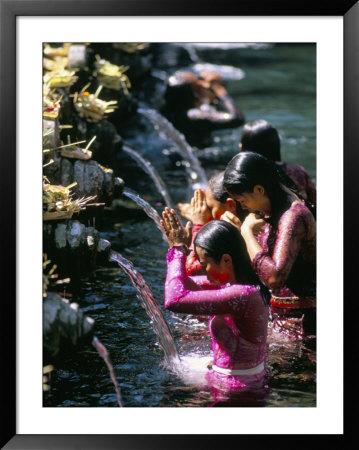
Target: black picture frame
(10, 9)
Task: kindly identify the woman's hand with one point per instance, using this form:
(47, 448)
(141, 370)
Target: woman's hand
(176, 233)
(253, 223)
(200, 213)
(214, 83)
(210, 76)
(232, 219)
(185, 210)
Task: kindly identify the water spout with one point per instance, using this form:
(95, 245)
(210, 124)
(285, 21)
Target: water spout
(102, 351)
(196, 174)
(152, 172)
(149, 210)
(152, 308)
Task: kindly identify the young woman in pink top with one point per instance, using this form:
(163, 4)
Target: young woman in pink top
(230, 293)
(280, 235)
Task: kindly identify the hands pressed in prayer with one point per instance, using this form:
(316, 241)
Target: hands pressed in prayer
(200, 213)
(176, 233)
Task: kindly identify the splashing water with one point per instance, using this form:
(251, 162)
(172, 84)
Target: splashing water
(149, 210)
(152, 172)
(152, 308)
(196, 174)
(193, 369)
(102, 351)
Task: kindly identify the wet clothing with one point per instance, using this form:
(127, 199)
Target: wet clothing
(246, 390)
(238, 323)
(292, 262)
(301, 179)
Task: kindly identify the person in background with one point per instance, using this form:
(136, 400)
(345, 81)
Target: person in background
(280, 235)
(198, 105)
(262, 137)
(231, 294)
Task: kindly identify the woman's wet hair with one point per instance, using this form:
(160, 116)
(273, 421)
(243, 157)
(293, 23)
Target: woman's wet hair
(216, 185)
(220, 193)
(261, 137)
(248, 169)
(218, 237)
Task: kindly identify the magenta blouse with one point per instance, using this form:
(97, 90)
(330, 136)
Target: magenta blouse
(292, 261)
(239, 314)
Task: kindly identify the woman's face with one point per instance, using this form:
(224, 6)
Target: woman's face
(216, 272)
(257, 200)
(217, 208)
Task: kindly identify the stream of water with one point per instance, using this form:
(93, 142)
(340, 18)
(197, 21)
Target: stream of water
(149, 210)
(152, 307)
(197, 177)
(152, 172)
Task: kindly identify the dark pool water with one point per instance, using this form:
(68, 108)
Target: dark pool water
(279, 86)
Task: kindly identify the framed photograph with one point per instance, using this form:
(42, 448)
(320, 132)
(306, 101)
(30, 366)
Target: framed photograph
(304, 49)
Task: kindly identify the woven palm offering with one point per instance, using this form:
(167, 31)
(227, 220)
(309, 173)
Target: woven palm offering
(50, 103)
(72, 150)
(112, 76)
(51, 108)
(60, 78)
(58, 63)
(52, 52)
(57, 201)
(90, 107)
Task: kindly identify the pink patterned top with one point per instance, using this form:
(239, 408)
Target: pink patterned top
(292, 261)
(238, 325)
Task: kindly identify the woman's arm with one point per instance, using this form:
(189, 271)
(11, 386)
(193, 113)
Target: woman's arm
(252, 225)
(227, 101)
(204, 299)
(274, 270)
(211, 91)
